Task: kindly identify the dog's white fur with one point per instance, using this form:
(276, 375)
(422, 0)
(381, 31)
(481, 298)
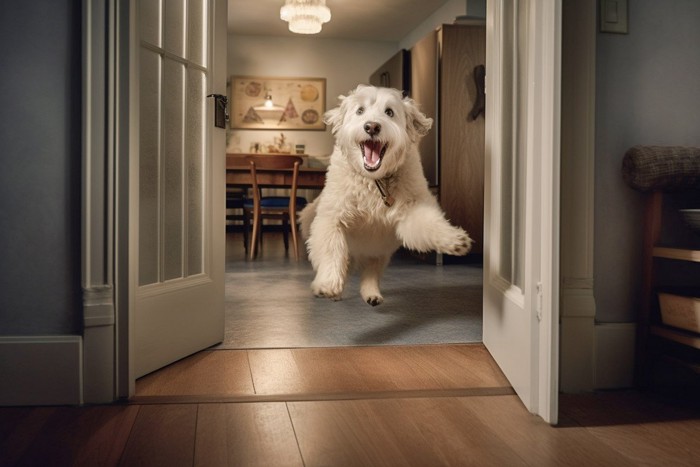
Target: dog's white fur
(349, 222)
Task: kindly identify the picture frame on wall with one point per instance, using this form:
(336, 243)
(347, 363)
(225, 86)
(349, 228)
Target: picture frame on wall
(272, 103)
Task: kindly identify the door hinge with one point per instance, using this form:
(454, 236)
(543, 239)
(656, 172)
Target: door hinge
(538, 303)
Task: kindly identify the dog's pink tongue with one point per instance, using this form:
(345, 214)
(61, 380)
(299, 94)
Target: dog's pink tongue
(372, 152)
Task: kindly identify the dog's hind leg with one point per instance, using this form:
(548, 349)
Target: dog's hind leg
(371, 270)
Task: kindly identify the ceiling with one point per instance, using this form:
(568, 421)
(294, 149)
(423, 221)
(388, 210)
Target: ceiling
(371, 20)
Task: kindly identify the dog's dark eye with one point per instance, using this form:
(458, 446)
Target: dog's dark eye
(360, 110)
(389, 112)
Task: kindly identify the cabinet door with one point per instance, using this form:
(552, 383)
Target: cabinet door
(425, 92)
(462, 139)
(394, 73)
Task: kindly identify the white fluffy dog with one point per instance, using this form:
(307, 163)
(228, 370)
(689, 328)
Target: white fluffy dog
(376, 197)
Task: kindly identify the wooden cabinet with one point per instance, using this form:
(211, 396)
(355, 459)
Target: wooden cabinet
(443, 83)
(395, 73)
(651, 332)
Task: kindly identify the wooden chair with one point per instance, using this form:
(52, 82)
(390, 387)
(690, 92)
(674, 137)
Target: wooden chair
(274, 207)
(235, 211)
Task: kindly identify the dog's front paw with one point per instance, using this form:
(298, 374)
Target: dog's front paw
(332, 290)
(373, 300)
(460, 244)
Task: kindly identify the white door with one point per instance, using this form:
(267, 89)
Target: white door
(177, 177)
(521, 259)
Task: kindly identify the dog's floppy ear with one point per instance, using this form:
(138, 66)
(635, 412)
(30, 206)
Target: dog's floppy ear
(417, 124)
(334, 117)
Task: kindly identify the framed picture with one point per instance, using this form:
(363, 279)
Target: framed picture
(259, 103)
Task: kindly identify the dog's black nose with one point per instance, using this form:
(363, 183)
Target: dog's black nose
(372, 128)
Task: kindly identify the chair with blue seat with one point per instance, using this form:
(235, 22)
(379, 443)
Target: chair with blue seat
(236, 217)
(274, 207)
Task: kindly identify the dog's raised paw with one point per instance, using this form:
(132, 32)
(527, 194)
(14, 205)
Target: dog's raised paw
(461, 246)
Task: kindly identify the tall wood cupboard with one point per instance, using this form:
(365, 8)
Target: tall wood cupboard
(443, 83)
(395, 73)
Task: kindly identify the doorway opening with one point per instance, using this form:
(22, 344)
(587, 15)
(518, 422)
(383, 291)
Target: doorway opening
(269, 303)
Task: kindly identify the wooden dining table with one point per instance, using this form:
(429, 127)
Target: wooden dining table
(238, 174)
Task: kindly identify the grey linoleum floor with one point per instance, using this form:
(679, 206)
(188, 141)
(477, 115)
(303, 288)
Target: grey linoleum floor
(269, 303)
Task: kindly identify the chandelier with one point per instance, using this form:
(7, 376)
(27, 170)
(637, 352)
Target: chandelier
(305, 16)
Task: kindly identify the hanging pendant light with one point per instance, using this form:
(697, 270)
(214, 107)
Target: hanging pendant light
(305, 16)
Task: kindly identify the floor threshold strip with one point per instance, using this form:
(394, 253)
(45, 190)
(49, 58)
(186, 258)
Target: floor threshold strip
(325, 396)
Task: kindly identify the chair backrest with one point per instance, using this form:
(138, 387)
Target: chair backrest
(274, 161)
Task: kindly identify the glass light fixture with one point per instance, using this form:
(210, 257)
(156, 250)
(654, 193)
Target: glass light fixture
(268, 102)
(268, 105)
(305, 16)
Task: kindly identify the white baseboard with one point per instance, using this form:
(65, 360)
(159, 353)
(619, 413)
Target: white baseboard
(577, 335)
(576, 357)
(596, 355)
(614, 355)
(41, 370)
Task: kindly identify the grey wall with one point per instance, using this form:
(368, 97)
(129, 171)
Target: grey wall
(648, 92)
(40, 99)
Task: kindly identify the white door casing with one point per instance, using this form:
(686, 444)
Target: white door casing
(177, 171)
(521, 232)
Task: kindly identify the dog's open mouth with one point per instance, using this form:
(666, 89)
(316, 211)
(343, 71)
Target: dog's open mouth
(372, 154)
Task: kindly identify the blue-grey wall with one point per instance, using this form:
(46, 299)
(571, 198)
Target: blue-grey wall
(40, 100)
(648, 92)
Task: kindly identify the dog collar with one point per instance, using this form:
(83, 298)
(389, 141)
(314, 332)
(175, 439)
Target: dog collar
(386, 196)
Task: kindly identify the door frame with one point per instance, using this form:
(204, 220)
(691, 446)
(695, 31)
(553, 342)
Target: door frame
(104, 259)
(104, 223)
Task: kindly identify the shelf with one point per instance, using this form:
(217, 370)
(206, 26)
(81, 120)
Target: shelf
(677, 335)
(677, 253)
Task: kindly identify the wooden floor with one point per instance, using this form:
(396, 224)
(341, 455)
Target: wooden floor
(422, 406)
(313, 373)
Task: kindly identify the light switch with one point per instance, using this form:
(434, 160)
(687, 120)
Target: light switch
(613, 16)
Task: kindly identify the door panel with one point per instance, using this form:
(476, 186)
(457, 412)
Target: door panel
(195, 122)
(171, 163)
(521, 197)
(176, 251)
(149, 150)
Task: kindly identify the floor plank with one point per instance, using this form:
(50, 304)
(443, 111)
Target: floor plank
(367, 369)
(481, 431)
(162, 435)
(535, 441)
(416, 432)
(205, 373)
(642, 427)
(246, 435)
(89, 436)
(19, 426)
